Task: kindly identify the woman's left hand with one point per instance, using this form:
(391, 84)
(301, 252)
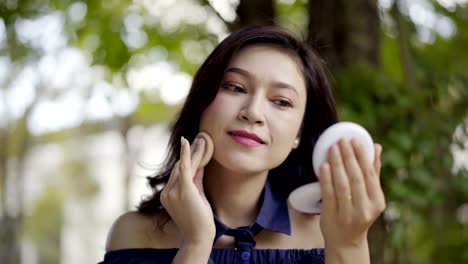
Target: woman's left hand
(352, 197)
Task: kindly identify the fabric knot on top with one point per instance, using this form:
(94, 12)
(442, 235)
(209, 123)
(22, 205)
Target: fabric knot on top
(244, 236)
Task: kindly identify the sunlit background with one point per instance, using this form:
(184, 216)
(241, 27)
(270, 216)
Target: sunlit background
(88, 90)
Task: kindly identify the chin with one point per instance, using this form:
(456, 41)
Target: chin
(246, 167)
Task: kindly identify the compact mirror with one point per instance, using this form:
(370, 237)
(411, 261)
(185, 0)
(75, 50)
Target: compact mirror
(307, 198)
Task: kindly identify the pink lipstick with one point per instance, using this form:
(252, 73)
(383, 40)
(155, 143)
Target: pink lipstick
(246, 138)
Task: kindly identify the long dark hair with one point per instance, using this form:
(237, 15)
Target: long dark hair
(320, 110)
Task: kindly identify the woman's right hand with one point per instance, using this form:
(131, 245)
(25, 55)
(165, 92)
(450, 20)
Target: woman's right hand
(184, 198)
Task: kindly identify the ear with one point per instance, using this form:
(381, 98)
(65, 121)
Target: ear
(297, 141)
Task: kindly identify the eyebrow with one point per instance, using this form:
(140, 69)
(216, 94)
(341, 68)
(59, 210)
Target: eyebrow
(277, 84)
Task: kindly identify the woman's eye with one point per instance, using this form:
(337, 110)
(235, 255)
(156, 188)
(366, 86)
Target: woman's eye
(233, 87)
(282, 103)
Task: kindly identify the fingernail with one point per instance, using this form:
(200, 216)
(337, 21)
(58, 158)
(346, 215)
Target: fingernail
(181, 145)
(200, 141)
(324, 166)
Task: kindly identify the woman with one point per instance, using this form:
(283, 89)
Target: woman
(264, 98)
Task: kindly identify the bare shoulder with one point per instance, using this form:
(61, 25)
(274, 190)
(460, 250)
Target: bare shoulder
(135, 230)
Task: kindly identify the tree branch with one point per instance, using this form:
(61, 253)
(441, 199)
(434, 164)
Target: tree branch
(207, 3)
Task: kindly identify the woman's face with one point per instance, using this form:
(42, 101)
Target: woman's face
(263, 93)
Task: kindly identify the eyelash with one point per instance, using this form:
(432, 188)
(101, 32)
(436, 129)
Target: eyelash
(283, 103)
(229, 86)
(236, 88)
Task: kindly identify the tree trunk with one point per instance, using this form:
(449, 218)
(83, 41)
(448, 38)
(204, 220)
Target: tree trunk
(128, 158)
(345, 32)
(254, 12)
(3, 170)
(378, 241)
(409, 75)
(9, 243)
(16, 144)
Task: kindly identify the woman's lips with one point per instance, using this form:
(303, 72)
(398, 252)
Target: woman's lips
(248, 142)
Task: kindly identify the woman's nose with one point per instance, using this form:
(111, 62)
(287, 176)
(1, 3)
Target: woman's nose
(253, 111)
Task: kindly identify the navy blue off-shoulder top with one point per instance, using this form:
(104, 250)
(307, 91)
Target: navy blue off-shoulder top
(273, 216)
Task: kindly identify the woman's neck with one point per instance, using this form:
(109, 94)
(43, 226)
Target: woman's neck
(234, 197)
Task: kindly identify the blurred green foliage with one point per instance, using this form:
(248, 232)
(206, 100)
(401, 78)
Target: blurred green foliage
(416, 127)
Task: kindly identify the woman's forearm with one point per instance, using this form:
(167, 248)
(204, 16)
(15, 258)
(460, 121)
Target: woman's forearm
(199, 253)
(358, 254)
